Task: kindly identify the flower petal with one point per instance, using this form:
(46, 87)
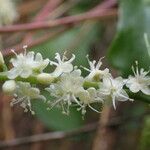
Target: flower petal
(146, 90)
(26, 73)
(13, 73)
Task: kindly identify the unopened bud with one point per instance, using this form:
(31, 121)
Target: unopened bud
(9, 87)
(45, 78)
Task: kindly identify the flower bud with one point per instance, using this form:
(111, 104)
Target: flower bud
(1, 59)
(9, 87)
(45, 78)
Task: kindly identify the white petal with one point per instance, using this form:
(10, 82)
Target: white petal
(66, 67)
(92, 91)
(122, 96)
(57, 57)
(34, 93)
(119, 82)
(41, 65)
(146, 90)
(30, 55)
(76, 73)
(26, 73)
(13, 73)
(14, 62)
(38, 57)
(84, 96)
(58, 71)
(134, 88)
(107, 82)
(45, 63)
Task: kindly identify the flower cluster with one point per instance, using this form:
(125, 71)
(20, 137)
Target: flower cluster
(27, 64)
(66, 85)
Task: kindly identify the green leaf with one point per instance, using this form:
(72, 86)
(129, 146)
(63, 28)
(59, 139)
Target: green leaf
(129, 45)
(54, 119)
(76, 40)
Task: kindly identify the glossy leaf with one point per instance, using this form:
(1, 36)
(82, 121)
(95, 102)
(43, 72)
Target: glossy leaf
(129, 45)
(54, 119)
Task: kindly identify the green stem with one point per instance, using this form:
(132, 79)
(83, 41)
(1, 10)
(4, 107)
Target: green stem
(33, 80)
(86, 84)
(4, 67)
(139, 96)
(3, 76)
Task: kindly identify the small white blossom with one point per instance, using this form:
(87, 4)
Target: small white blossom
(66, 89)
(9, 87)
(63, 66)
(23, 95)
(95, 72)
(87, 97)
(139, 82)
(24, 65)
(113, 89)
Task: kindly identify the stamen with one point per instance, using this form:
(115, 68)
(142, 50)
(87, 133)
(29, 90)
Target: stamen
(13, 51)
(137, 70)
(133, 71)
(113, 101)
(99, 63)
(55, 103)
(71, 59)
(64, 56)
(74, 98)
(53, 63)
(85, 68)
(25, 49)
(57, 57)
(93, 109)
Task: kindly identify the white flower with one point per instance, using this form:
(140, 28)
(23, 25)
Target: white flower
(9, 87)
(88, 97)
(113, 89)
(25, 65)
(66, 90)
(23, 95)
(8, 12)
(63, 66)
(95, 72)
(139, 82)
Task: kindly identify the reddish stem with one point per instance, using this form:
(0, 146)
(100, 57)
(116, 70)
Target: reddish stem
(105, 14)
(18, 47)
(105, 5)
(48, 8)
